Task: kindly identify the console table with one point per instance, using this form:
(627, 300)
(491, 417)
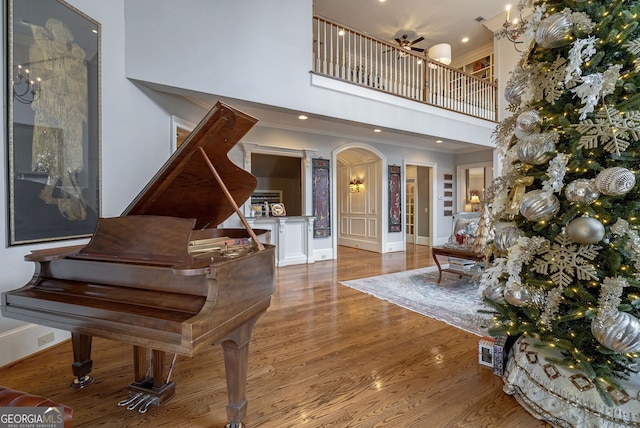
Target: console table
(453, 252)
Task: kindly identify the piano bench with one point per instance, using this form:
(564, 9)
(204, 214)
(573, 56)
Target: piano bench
(13, 398)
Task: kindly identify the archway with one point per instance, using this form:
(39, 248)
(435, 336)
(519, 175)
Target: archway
(359, 220)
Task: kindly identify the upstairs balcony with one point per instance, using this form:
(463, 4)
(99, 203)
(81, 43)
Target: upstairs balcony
(348, 55)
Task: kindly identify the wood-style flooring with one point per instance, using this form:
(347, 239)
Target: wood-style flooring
(324, 355)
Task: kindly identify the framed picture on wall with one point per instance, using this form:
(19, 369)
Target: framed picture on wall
(321, 198)
(395, 199)
(53, 121)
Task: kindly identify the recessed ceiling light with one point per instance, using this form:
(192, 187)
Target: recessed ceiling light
(377, 130)
(465, 39)
(439, 141)
(303, 117)
(341, 32)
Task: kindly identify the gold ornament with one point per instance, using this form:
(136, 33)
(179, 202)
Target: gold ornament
(515, 195)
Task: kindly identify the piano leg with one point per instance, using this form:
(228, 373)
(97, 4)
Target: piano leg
(140, 363)
(82, 362)
(236, 358)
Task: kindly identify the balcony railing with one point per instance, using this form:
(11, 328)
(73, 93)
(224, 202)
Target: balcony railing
(348, 55)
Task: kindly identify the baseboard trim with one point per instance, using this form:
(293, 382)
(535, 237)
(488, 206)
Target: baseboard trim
(23, 341)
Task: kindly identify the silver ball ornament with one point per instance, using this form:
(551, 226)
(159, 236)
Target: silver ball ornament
(494, 293)
(517, 295)
(553, 31)
(527, 123)
(537, 205)
(620, 333)
(536, 149)
(582, 191)
(585, 230)
(505, 237)
(615, 181)
(513, 92)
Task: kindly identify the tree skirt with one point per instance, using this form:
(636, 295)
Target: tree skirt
(564, 397)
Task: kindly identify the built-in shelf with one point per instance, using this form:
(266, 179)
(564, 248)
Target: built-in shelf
(481, 68)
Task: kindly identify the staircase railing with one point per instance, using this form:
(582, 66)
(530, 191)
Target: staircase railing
(346, 54)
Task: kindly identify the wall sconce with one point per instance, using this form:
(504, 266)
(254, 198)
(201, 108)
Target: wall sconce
(355, 185)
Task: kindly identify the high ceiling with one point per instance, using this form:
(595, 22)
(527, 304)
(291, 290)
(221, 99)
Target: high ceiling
(437, 21)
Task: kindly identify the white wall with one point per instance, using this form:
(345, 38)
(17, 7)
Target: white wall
(261, 51)
(135, 143)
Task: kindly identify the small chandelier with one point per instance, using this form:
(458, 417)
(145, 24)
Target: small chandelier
(512, 29)
(25, 90)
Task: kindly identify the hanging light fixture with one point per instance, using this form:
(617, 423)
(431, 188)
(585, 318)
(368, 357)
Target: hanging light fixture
(441, 53)
(25, 90)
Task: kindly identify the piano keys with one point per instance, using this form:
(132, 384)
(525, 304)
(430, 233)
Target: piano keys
(137, 281)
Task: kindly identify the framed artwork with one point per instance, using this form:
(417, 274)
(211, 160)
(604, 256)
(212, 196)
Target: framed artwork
(395, 199)
(321, 198)
(53, 121)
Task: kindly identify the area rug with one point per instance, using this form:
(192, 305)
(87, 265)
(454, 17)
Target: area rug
(454, 300)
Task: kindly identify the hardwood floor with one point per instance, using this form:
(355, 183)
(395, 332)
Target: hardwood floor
(324, 355)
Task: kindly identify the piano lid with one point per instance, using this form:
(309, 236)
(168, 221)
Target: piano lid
(185, 186)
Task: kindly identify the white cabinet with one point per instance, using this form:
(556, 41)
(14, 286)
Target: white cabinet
(292, 236)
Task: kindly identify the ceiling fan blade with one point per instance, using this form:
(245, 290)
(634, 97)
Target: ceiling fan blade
(399, 41)
(417, 49)
(419, 39)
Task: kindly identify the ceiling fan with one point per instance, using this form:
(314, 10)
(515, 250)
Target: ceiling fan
(405, 43)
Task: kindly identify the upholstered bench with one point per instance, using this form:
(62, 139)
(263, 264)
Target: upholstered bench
(13, 398)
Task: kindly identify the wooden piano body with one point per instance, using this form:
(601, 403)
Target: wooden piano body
(137, 282)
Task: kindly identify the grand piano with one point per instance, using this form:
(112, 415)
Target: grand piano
(141, 281)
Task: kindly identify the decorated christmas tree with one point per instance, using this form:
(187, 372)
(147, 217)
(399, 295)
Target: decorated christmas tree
(566, 208)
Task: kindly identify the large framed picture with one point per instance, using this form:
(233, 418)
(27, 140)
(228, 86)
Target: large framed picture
(395, 198)
(53, 121)
(321, 198)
